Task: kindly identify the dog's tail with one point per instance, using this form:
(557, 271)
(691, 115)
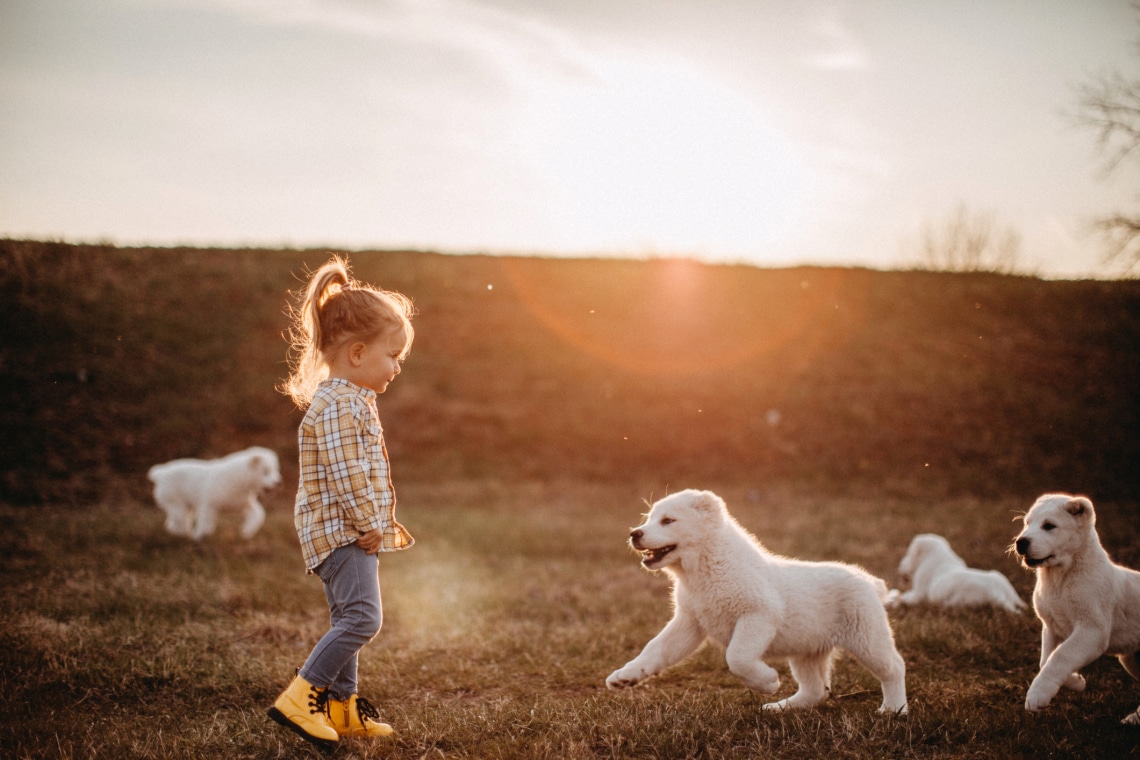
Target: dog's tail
(1010, 599)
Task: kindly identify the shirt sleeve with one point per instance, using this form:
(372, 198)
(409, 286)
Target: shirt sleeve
(345, 439)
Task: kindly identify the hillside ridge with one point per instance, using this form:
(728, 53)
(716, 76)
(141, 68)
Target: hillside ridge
(664, 370)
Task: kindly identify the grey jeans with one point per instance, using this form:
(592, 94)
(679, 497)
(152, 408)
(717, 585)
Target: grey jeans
(352, 588)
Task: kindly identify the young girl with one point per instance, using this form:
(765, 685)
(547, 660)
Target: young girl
(350, 339)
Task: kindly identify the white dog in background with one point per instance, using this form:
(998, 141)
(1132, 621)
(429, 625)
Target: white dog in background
(728, 589)
(192, 491)
(1089, 606)
(939, 576)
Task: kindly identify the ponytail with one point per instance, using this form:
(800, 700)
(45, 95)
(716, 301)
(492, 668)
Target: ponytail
(335, 310)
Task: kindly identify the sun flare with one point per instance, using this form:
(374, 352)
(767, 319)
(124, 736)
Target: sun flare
(679, 317)
(656, 157)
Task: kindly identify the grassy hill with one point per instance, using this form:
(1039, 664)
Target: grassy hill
(666, 372)
(839, 412)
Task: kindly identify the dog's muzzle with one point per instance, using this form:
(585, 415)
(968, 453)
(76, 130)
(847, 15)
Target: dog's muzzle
(1022, 545)
(649, 556)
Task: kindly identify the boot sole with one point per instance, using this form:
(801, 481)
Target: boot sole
(277, 715)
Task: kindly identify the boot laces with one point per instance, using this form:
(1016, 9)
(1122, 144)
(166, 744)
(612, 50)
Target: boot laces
(367, 710)
(318, 700)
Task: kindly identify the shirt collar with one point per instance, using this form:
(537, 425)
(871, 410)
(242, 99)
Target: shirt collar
(336, 382)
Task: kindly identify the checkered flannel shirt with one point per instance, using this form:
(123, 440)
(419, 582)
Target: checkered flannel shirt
(346, 489)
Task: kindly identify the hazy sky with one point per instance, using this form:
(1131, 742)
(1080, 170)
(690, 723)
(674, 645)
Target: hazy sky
(741, 130)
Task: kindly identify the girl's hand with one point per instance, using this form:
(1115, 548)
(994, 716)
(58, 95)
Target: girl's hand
(370, 541)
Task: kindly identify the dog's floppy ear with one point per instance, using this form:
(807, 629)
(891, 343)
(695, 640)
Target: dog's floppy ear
(707, 501)
(1079, 507)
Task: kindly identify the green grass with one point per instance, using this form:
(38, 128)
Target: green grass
(501, 625)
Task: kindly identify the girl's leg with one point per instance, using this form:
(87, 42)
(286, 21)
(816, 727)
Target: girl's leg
(344, 684)
(352, 588)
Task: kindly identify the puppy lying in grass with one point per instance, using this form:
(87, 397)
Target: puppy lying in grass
(1089, 606)
(939, 576)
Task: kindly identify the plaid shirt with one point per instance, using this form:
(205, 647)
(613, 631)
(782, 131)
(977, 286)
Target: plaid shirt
(345, 489)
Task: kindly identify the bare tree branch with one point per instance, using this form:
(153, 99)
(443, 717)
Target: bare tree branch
(1122, 236)
(1110, 107)
(970, 241)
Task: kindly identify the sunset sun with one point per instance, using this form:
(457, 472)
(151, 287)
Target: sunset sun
(665, 160)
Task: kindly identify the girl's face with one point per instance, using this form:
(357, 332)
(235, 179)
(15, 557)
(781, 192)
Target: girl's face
(377, 362)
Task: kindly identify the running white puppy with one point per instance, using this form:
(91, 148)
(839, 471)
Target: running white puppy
(1088, 605)
(939, 576)
(192, 491)
(728, 589)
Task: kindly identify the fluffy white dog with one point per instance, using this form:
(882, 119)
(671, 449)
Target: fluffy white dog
(192, 491)
(939, 576)
(728, 589)
(1088, 605)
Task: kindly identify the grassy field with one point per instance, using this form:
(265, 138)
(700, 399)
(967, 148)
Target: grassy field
(501, 626)
(839, 412)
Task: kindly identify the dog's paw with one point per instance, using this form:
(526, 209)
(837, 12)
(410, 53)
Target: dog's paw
(1038, 697)
(795, 702)
(770, 685)
(1075, 682)
(885, 709)
(622, 679)
(1133, 718)
(892, 601)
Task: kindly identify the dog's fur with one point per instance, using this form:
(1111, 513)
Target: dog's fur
(1089, 606)
(192, 491)
(939, 576)
(728, 589)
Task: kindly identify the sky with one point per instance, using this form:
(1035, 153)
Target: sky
(755, 131)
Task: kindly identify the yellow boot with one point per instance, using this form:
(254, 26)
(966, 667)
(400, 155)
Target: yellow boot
(356, 717)
(303, 708)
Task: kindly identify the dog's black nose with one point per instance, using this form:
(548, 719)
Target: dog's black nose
(1022, 546)
(635, 534)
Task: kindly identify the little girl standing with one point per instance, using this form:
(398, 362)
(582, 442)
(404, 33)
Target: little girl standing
(350, 339)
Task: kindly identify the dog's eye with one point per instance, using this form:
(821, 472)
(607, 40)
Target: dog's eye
(1048, 526)
(667, 520)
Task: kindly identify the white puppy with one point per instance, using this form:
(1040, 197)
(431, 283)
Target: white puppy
(728, 589)
(939, 576)
(1088, 605)
(191, 491)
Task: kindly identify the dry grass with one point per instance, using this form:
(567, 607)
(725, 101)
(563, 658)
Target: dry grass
(501, 625)
(543, 402)
(911, 383)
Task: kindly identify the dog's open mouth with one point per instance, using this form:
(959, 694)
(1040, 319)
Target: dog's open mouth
(653, 556)
(1032, 562)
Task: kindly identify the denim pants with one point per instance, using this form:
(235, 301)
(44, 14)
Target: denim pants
(352, 588)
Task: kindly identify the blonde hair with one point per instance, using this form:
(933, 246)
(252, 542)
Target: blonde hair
(334, 310)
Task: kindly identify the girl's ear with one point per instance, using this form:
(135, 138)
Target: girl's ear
(356, 353)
